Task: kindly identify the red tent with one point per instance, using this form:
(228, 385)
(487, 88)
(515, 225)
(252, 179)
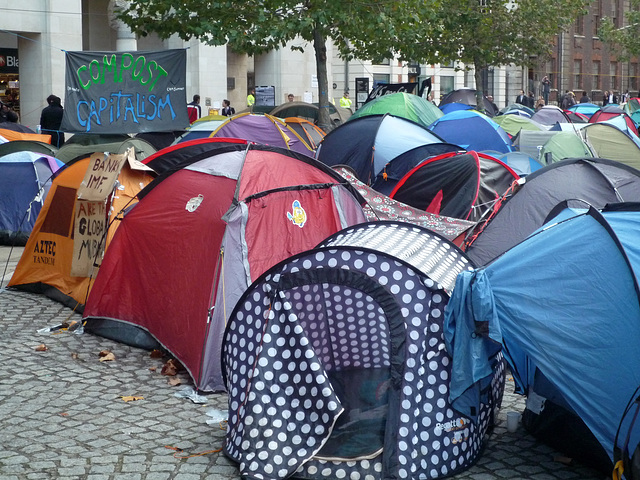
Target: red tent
(197, 239)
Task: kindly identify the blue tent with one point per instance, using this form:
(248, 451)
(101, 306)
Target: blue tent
(367, 144)
(472, 131)
(587, 109)
(25, 178)
(565, 306)
(454, 107)
(520, 162)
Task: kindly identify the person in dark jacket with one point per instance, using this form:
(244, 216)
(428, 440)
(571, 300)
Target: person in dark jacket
(51, 119)
(7, 114)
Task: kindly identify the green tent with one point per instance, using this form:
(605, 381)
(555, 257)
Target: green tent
(564, 145)
(112, 144)
(608, 141)
(512, 124)
(401, 104)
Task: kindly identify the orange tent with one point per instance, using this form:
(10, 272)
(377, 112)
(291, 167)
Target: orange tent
(12, 135)
(62, 232)
(310, 132)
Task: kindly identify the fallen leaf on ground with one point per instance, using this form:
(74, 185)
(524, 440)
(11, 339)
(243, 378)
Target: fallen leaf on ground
(74, 356)
(170, 368)
(63, 414)
(152, 369)
(131, 398)
(156, 354)
(41, 348)
(108, 357)
(173, 381)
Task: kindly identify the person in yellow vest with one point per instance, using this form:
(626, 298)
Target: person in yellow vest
(251, 98)
(345, 101)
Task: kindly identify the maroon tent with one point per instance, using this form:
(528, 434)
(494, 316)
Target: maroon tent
(198, 237)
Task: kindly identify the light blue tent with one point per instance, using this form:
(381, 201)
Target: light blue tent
(472, 131)
(565, 306)
(520, 162)
(25, 178)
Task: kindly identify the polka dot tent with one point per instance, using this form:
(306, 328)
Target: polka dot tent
(336, 365)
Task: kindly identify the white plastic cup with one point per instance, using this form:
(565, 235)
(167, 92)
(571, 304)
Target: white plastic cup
(38, 129)
(513, 418)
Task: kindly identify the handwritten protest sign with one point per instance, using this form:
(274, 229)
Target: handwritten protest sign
(101, 175)
(90, 220)
(89, 228)
(125, 92)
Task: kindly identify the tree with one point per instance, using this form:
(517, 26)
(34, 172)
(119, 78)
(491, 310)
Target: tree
(366, 30)
(624, 40)
(482, 33)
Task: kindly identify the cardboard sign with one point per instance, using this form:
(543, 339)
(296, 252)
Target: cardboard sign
(101, 175)
(90, 225)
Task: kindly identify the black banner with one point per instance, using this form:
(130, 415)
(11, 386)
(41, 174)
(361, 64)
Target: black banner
(125, 92)
(9, 60)
(387, 88)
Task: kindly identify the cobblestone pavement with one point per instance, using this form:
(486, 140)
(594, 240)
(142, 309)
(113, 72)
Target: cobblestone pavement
(63, 415)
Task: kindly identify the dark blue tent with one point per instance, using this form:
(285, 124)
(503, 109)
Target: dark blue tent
(565, 306)
(368, 144)
(25, 178)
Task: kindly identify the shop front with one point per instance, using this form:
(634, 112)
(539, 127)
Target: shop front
(9, 79)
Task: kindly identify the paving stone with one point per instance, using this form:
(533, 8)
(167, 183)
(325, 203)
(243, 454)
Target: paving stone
(64, 418)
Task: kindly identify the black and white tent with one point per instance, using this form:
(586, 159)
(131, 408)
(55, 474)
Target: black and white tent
(336, 364)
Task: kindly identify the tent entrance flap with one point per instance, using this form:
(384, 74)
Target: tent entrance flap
(360, 371)
(359, 431)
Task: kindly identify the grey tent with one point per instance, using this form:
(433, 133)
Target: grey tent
(594, 181)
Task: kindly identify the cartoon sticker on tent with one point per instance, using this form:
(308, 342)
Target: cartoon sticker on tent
(194, 203)
(299, 216)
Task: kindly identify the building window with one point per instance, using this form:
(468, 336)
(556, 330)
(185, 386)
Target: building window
(596, 75)
(614, 14)
(633, 76)
(597, 15)
(381, 78)
(613, 72)
(580, 25)
(577, 74)
(386, 61)
(446, 84)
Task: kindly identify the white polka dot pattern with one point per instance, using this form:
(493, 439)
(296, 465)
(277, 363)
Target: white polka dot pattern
(433, 255)
(343, 309)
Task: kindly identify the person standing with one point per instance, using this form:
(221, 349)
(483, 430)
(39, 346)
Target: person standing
(531, 101)
(345, 101)
(521, 98)
(546, 89)
(193, 109)
(290, 97)
(51, 119)
(7, 114)
(585, 98)
(227, 109)
(251, 98)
